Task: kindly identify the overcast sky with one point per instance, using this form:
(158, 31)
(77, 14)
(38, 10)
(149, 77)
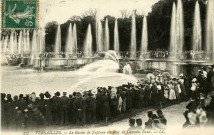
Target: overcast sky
(62, 10)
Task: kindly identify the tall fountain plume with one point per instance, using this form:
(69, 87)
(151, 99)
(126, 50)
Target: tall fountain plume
(99, 35)
(106, 41)
(5, 44)
(197, 40)
(57, 48)
(69, 40)
(179, 27)
(28, 48)
(144, 38)
(74, 39)
(88, 43)
(41, 40)
(11, 45)
(210, 30)
(133, 37)
(15, 43)
(34, 47)
(20, 43)
(2, 43)
(24, 42)
(173, 42)
(116, 38)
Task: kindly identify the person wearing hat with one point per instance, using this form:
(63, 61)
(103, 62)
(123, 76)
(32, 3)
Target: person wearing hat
(56, 108)
(148, 124)
(64, 102)
(78, 109)
(139, 124)
(41, 103)
(210, 75)
(131, 124)
(48, 109)
(91, 108)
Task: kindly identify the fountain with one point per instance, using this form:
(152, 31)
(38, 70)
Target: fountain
(27, 42)
(41, 41)
(34, 47)
(57, 49)
(210, 30)
(116, 38)
(197, 30)
(74, 39)
(5, 49)
(20, 43)
(144, 38)
(15, 43)
(179, 27)
(88, 43)
(127, 69)
(106, 41)
(133, 37)
(173, 44)
(11, 45)
(99, 35)
(69, 41)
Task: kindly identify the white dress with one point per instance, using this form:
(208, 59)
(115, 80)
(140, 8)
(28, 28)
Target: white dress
(172, 95)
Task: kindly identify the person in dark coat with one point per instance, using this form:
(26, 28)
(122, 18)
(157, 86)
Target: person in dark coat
(106, 106)
(129, 100)
(3, 110)
(161, 117)
(64, 104)
(148, 124)
(78, 107)
(99, 104)
(91, 108)
(154, 93)
(210, 75)
(56, 108)
(41, 103)
(48, 109)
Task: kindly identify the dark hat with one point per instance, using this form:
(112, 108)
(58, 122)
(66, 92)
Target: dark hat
(74, 93)
(139, 122)
(131, 122)
(47, 94)
(21, 96)
(57, 93)
(41, 95)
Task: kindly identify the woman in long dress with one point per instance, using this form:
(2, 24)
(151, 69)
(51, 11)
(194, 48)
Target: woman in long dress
(172, 95)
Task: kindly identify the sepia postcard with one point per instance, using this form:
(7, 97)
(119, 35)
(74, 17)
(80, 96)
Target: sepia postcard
(107, 67)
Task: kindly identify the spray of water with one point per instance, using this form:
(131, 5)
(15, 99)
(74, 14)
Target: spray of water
(34, 47)
(197, 29)
(57, 48)
(69, 41)
(74, 39)
(11, 45)
(116, 38)
(144, 38)
(133, 37)
(20, 43)
(15, 43)
(88, 42)
(179, 27)
(210, 30)
(5, 44)
(99, 35)
(106, 41)
(173, 45)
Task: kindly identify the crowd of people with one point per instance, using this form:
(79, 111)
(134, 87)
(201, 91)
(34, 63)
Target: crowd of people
(102, 104)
